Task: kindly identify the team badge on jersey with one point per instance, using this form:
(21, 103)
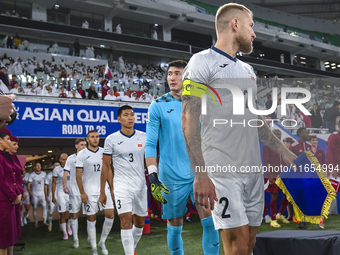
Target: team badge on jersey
(139, 143)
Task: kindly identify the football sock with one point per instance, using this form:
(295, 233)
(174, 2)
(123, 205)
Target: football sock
(26, 213)
(210, 239)
(137, 234)
(127, 241)
(91, 232)
(44, 213)
(35, 215)
(74, 225)
(63, 227)
(106, 229)
(175, 241)
(69, 222)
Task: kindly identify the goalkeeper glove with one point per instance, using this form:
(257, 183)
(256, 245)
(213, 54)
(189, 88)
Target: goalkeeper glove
(156, 188)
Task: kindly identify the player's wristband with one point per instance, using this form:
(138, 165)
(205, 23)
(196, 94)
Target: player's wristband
(152, 169)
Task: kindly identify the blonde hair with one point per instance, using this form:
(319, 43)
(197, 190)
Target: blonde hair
(226, 13)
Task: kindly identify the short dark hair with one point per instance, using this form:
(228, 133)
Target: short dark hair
(124, 107)
(299, 131)
(54, 161)
(91, 131)
(29, 84)
(14, 75)
(336, 103)
(178, 64)
(78, 140)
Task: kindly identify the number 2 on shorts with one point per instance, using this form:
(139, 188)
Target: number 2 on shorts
(224, 216)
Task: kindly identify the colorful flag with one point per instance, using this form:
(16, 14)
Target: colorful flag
(108, 72)
(307, 189)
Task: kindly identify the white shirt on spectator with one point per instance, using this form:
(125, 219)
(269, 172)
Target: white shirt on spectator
(49, 94)
(85, 24)
(32, 92)
(141, 99)
(155, 35)
(118, 29)
(3, 87)
(26, 44)
(126, 98)
(14, 91)
(110, 97)
(70, 94)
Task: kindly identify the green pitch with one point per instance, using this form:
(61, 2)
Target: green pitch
(40, 241)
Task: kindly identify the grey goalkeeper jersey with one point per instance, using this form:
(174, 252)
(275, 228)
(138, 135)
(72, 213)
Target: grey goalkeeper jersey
(230, 142)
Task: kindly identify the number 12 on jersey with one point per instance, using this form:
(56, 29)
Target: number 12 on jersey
(96, 168)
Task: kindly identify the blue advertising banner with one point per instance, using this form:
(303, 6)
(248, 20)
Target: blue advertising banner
(68, 121)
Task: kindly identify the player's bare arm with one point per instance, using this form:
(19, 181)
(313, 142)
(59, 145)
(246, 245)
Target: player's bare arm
(204, 189)
(29, 187)
(46, 193)
(65, 182)
(104, 178)
(54, 184)
(149, 161)
(268, 138)
(84, 197)
(110, 175)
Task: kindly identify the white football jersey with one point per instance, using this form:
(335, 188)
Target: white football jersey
(127, 157)
(226, 144)
(91, 162)
(70, 167)
(48, 182)
(25, 178)
(58, 173)
(37, 181)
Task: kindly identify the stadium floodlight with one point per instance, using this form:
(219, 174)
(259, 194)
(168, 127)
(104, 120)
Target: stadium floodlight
(102, 46)
(333, 64)
(49, 151)
(327, 66)
(338, 65)
(156, 25)
(333, 67)
(326, 63)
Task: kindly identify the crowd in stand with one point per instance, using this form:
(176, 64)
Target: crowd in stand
(60, 74)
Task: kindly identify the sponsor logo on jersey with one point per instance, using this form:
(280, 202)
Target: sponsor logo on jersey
(120, 143)
(170, 110)
(87, 157)
(223, 66)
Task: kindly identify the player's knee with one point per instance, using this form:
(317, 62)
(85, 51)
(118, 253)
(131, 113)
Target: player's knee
(238, 247)
(110, 215)
(125, 222)
(139, 224)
